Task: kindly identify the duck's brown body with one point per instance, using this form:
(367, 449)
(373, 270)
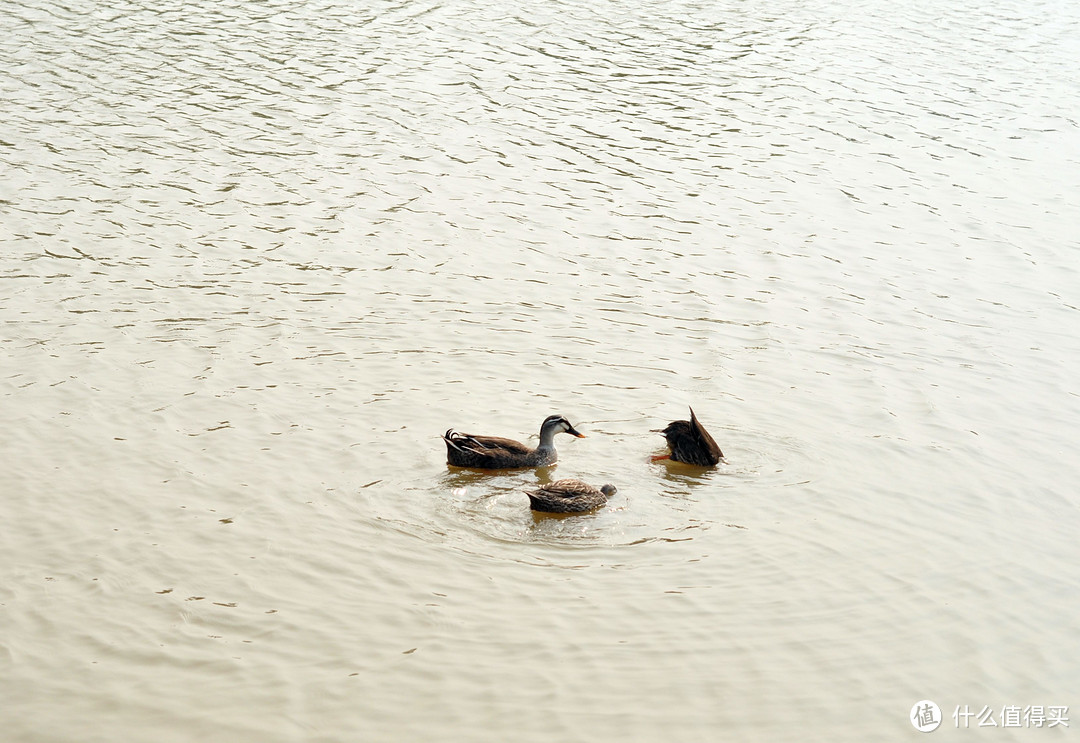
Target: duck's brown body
(569, 496)
(691, 443)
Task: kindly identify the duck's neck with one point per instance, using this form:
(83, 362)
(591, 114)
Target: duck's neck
(547, 438)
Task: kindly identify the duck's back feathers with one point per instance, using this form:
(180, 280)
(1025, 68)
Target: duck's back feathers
(489, 452)
(482, 443)
(691, 443)
(569, 496)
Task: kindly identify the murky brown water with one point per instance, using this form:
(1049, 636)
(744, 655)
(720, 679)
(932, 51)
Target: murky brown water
(255, 257)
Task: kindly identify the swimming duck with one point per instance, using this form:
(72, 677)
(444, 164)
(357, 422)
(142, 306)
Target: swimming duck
(691, 443)
(494, 453)
(569, 496)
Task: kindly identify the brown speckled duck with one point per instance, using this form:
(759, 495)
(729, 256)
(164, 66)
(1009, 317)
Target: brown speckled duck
(569, 496)
(494, 453)
(691, 443)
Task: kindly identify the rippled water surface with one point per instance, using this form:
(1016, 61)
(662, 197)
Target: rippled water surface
(256, 256)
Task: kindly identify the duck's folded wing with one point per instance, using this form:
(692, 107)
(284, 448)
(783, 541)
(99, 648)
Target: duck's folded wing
(706, 441)
(570, 488)
(487, 444)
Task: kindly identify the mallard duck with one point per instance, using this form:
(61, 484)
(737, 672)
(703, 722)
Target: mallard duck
(494, 453)
(569, 496)
(691, 443)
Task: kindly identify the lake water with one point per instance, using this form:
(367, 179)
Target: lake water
(255, 257)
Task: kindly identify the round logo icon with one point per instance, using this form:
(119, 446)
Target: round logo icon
(925, 716)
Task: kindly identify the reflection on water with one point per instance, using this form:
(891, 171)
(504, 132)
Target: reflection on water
(257, 257)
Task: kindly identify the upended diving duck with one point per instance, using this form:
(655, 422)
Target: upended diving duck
(690, 443)
(569, 496)
(494, 452)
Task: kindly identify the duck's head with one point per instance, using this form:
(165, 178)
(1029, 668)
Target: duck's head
(558, 424)
(608, 489)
